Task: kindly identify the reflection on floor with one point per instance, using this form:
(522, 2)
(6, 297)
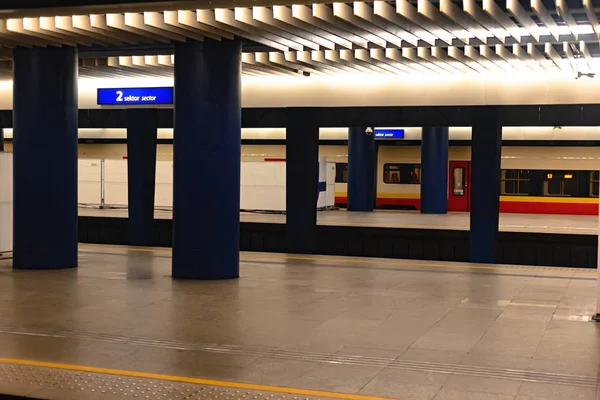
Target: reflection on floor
(374, 327)
(573, 224)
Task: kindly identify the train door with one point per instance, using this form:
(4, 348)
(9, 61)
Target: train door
(459, 185)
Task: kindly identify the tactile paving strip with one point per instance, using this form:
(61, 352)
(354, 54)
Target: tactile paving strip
(53, 383)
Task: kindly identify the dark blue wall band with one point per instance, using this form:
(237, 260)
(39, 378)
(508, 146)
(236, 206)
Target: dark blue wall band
(206, 152)
(45, 158)
(434, 170)
(322, 187)
(302, 177)
(485, 183)
(142, 125)
(361, 170)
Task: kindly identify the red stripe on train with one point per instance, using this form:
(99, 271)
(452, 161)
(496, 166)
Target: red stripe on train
(383, 201)
(548, 208)
(341, 200)
(505, 206)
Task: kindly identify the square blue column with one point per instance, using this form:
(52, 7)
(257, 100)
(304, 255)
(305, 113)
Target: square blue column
(434, 170)
(361, 169)
(45, 158)
(142, 126)
(485, 183)
(302, 180)
(206, 159)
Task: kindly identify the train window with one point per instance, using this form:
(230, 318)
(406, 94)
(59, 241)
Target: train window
(458, 182)
(514, 182)
(341, 173)
(402, 173)
(560, 183)
(594, 179)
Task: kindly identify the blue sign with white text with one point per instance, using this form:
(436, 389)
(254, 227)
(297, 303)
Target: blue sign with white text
(389, 134)
(135, 96)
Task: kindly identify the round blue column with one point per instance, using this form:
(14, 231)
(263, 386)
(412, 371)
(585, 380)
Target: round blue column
(45, 158)
(434, 170)
(361, 170)
(206, 152)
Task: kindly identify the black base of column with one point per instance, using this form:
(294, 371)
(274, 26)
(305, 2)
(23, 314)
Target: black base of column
(485, 187)
(142, 125)
(302, 177)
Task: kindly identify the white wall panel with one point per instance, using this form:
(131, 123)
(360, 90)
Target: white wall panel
(163, 193)
(253, 152)
(322, 197)
(263, 186)
(6, 202)
(115, 183)
(330, 196)
(334, 153)
(89, 185)
(575, 158)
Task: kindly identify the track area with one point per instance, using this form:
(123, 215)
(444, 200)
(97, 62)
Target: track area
(532, 223)
(297, 327)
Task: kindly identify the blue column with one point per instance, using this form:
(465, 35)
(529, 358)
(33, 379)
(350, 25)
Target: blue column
(206, 151)
(434, 170)
(302, 180)
(45, 158)
(1, 138)
(361, 170)
(485, 183)
(142, 125)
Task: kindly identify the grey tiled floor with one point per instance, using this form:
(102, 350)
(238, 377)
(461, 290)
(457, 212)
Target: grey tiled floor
(391, 328)
(571, 224)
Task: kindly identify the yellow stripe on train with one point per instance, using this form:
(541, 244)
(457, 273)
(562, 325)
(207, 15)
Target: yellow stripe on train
(515, 199)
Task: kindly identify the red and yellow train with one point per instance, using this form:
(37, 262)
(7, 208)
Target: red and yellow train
(535, 180)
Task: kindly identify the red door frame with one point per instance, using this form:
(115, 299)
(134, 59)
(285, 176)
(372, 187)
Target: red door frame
(459, 202)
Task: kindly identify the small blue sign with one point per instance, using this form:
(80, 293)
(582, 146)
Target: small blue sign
(389, 134)
(135, 96)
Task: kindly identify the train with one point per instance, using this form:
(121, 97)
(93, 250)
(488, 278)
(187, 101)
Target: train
(540, 176)
(534, 180)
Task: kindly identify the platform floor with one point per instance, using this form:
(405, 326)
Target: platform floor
(570, 224)
(297, 327)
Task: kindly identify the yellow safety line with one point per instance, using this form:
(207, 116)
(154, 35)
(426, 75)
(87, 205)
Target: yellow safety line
(184, 379)
(357, 261)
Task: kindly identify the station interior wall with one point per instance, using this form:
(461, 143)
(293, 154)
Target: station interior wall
(513, 157)
(519, 88)
(512, 133)
(6, 202)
